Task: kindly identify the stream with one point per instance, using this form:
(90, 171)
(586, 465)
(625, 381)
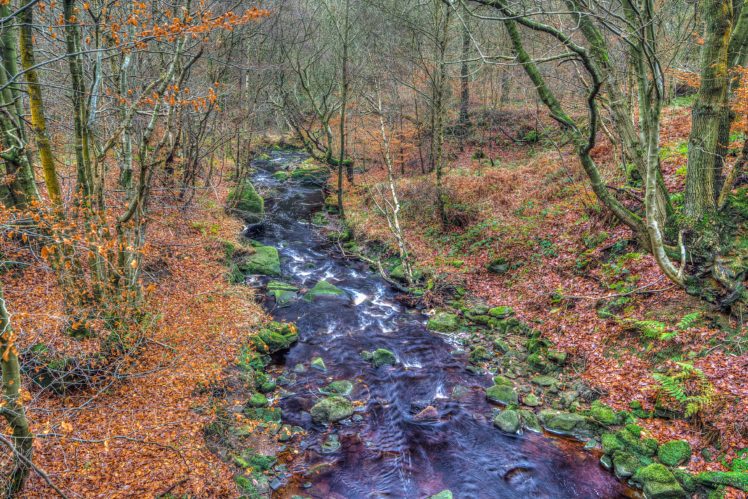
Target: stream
(384, 450)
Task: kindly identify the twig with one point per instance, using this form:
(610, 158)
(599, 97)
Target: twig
(36, 469)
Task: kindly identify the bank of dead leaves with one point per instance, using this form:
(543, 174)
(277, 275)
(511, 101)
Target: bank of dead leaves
(142, 435)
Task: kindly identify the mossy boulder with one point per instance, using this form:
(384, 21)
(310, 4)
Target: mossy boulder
(479, 354)
(502, 380)
(530, 420)
(658, 482)
(736, 479)
(501, 312)
(323, 289)
(310, 174)
(274, 337)
(258, 400)
(331, 409)
(603, 414)
(444, 322)
(341, 387)
(544, 381)
(566, 423)
(502, 394)
(318, 364)
(283, 293)
(379, 357)
(507, 421)
(531, 400)
(444, 494)
(259, 259)
(674, 452)
(625, 464)
(245, 202)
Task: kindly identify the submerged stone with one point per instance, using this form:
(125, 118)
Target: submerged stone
(444, 494)
(319, 364)
(283, 293)
(341, 387)
(331, 409)
(382, 357)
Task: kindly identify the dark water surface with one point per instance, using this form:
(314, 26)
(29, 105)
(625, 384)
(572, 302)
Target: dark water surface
(385, 451)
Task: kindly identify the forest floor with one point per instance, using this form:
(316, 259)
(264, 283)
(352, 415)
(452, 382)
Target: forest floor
(520, 200)
(143, 434)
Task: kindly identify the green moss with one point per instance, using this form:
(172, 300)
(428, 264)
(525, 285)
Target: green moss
(566, 423)
(258, 400)
(444, 322)
(331, 409)
(444, 494)
(341, 387)
(658, 482)
(263, 260)
(674, 452)
(501, 312)
(625, 464)
(502, 394)
(736, 479)
(274, 337)
(246, 202)
(319, 364)
(603, 414)
(634, 429)
(507, 421)
(322, 289)
(479, 354)
(611, 443)
(382, 357)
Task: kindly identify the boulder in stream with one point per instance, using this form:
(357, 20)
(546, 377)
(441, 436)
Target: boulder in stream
(444, 494)
(566, 423)
(507, 421)
(283, 293)
(331, 409)
(274, 337)
(259, 259)
(322, 289)
(340, 387)
(502, 394)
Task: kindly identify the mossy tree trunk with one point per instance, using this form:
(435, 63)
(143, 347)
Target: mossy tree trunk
(12, 407)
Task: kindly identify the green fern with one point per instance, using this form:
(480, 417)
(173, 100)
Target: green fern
(689, 320)
(689, 387)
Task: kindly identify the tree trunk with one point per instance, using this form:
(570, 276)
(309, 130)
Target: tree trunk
(13, 410)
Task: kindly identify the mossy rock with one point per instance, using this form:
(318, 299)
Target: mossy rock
(498, 266)
(310, 174)
(331, 409)
(686, 481)
(382, 357)
(323, 289)
(444, 322)
(502, 394)
(479, 354)
(630, 442)
(502, 380)
(625, 464)
(531, 400)
(266, 414)
(736, 479)
(501, 312)
(566, 423)
(283, 293)
(244, 201)
(530, 420)
(658, 482)
(258, 400)
(603, 414)
(274, 337)
(263, 260)
(319, 364)
(444, 494)
(544, 381)
(556, 356)
(281, 175)
(507, 421)
(674, 452)
(341, 387)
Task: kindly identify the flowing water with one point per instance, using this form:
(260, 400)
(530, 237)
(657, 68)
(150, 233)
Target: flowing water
(384, 450)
